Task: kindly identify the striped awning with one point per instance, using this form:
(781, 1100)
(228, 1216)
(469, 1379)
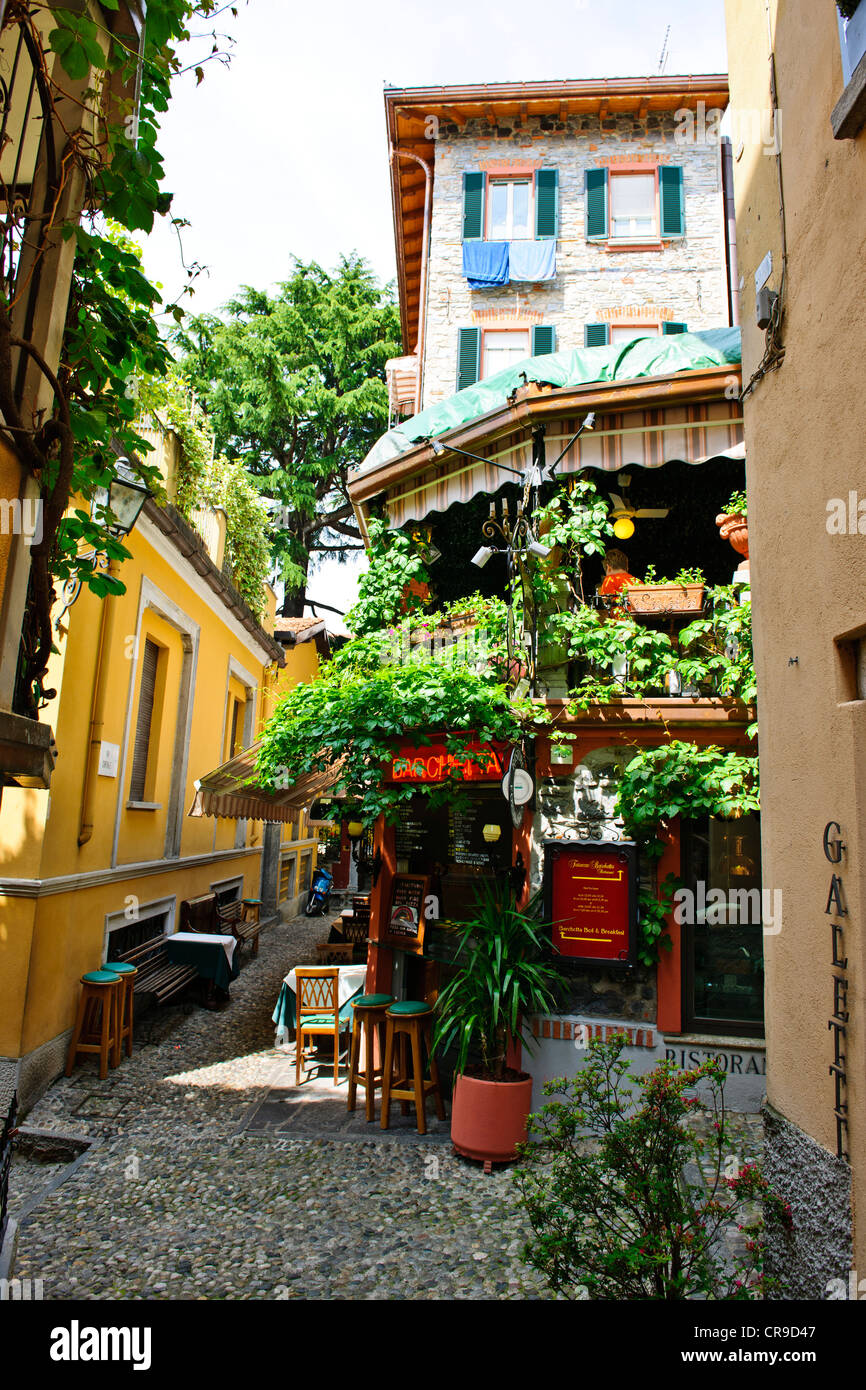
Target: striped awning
(232, 792)
(643, 438)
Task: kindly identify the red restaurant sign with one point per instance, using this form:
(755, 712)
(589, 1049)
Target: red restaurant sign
(434, 763)
(591, 900)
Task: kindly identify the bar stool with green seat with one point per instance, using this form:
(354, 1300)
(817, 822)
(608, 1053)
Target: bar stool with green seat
(125, 1007)
(407, 1022)
(96, 1021)
(368, 1013)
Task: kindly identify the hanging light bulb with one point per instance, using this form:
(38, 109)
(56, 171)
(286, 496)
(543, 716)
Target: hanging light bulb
(491, 833)
(623, 528)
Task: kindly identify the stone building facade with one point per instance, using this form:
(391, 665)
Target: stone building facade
(658, 280)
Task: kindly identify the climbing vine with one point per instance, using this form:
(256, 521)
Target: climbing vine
(111, 339)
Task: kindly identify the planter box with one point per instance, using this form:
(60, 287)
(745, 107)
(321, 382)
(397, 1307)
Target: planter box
(665, 598)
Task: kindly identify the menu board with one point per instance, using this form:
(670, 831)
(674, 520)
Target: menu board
(405, 924)
(466, 842)
(591, 900)
(410, 837)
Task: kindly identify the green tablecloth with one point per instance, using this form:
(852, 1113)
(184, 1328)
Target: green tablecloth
(208, 957)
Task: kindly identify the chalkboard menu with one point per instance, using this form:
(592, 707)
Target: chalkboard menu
(410, 838)
(405, 924)
(590, 892)
(466, 842)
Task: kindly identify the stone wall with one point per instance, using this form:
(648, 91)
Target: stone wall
(817, 1185)
(686, 281)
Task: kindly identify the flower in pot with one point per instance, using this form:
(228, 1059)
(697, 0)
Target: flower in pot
(503, 976)
(682, 594)
(733, 527)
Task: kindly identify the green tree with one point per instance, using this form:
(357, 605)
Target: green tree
(293, 384)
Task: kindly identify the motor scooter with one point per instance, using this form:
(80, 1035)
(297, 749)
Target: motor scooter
(319, 895)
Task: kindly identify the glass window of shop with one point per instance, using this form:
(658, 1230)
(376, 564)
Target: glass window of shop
(722, 927)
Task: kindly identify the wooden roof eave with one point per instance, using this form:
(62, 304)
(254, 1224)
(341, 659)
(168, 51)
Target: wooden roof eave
(532, 406)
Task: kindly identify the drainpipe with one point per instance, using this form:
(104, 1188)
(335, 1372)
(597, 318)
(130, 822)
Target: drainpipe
(425, 255)
(97, 714)
(730, 230)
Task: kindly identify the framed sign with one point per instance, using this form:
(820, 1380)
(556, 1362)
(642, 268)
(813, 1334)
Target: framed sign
(405, 923)
(590, 896)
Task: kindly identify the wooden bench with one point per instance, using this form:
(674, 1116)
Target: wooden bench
(156, 973)
(242, 920)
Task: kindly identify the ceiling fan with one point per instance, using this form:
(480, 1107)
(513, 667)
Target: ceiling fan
(623, 510)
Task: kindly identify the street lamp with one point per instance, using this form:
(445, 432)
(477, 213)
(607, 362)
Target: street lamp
(124, 499)
(122, 502)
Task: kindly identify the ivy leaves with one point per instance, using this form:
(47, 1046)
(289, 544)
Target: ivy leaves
(394, 584)
(359, 708)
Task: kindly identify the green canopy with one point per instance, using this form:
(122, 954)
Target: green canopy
(653, 356)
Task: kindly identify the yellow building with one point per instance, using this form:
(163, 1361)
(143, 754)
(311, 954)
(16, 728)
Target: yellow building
(154, 688)
(798, 110)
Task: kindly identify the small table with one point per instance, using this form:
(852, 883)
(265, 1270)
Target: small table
(212, 954)
(351, 982)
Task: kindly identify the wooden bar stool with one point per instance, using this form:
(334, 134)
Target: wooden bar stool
(368, 1013)
(96, 1022)
(406, 1023)
(125, 1007)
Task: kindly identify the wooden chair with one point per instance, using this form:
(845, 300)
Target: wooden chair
(356, 928)
(337, 948)
(317, 1012)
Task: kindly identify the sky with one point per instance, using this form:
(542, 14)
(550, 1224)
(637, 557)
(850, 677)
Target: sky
(284, 153)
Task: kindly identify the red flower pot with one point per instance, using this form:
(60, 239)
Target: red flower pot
(488, 1118)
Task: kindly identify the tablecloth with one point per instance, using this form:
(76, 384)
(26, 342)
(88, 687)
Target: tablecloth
(212, 954)
(351, 982)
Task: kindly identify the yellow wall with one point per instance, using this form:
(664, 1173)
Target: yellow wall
(39, 830)
(804, 426)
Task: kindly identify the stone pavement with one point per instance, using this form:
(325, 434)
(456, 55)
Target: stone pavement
(208, 1180)
(192, 1192)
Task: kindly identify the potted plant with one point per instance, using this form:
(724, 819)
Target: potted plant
(683, 594)
(502, 978)
(733, 527)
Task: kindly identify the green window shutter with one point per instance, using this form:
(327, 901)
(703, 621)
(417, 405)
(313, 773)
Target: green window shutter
(473, 206)
(543, 340)
(596, 204)
(596, 334)
(468, 356)
(671, 200)
(675, 328)
(546, 203)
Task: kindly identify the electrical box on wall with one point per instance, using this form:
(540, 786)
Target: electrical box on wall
(765, 303)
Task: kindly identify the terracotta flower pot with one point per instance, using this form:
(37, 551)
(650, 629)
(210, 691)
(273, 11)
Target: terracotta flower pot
(488, 1118)
(734, 528)
(665, 598)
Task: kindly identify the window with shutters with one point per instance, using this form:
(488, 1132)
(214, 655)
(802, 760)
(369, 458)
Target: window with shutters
(482, 353)
(601, 334)
(520, 207)
(634, 207)
(144, 750)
